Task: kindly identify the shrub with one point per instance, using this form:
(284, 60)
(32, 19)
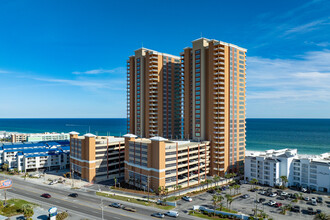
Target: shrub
(62, 216)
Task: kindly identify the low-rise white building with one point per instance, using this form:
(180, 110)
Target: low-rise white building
(33, 137)
(34, 156)
(301, 170)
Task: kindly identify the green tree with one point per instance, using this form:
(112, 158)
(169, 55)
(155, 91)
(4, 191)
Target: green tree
(231, 200)
(322, 216)
(228, 197)
(230, 188)
(284, 180)
(5, 166)
(179, 187)
(254, 181)
(216, 178)
(115, 181)
(28, 211)
(208, 182)
(215, 201)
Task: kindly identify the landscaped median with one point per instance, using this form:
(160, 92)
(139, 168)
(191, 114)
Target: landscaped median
(203, 212)
(134, 200)
(16, 207)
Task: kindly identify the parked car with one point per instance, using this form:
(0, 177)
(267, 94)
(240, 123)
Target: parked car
(277, 205)
(306, 198)
(172, 214)
(253, 190)
(262, 192)
(319, 200)
(116, 205)
(284, 193)
(74, 195)
(212, 191)
(187, 198)
(46, 195)
(261, 200)
(245, 196)
(311, 211)
(129, 209)
(273, 195)
(314, 202)
(295, 208)
(318, 211)
(158, 215)
(271, 203)
(303, 190)
(281, 198)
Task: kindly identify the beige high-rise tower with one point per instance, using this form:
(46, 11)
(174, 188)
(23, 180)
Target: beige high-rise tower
(214, 101)
(205, 100)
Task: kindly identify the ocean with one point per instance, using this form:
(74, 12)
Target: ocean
(309, 136)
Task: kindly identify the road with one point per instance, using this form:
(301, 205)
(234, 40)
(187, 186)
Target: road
(87, 204)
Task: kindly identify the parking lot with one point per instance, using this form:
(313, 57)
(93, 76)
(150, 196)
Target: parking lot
(245, 205)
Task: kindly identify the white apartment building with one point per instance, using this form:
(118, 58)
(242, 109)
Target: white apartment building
(301, 170)
(34, 156)
(33, 137)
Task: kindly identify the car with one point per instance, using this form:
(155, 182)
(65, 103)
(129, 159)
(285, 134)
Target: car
(318, 211)
(277, 205)
(172, 214)
(74, 195)
(261, 200)
(284, 193)
(262, 192)
(295, 208)
(158, 215)
(319, 199)
(129, 209)
(116, 205)
(245, 196)
(253, 190)
(273, 195)
(187, 198)
(314, 202)
(281, 198)
(306, 198)
(303, 190)
(212, 191)
(311, 211)
(46, 195)
(271, 203)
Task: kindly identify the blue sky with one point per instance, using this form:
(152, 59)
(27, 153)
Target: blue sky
(67, 58)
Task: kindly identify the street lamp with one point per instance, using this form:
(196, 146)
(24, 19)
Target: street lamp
(101, 205)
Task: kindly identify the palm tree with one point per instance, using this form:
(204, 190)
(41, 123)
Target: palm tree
(230, 188)
(175, 188)
(220, 201)
(228, 198)
(230, 201)
(215, 201)
(284, 180)
(179, 187)
(208, 181)
(115, 182)
(5, 166)
(254, 181)
(322, 216)
(159, 191)
(216, 178)
(28, 211)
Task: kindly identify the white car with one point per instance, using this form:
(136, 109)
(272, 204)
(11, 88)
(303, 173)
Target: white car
(306, 198)
(271, 203)
(303, 190)
(187, 198)
(172, 214)
(273, 195)
(284, 194)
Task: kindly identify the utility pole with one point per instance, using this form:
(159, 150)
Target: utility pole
(5, 197)
(101, 205)
(148, 179)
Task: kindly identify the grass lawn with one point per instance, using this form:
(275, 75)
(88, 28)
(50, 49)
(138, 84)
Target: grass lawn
(14, 207)
(200, 215)
(137, 201)
(224, 209)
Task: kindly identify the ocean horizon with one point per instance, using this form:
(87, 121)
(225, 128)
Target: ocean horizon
(309, 136)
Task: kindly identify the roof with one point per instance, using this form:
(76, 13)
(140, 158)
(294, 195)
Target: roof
(30, 149)
(156, 138)
(89, 135)
(130, 135)
(74, 133)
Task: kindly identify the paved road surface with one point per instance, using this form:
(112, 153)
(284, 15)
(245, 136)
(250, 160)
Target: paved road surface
(86, 204)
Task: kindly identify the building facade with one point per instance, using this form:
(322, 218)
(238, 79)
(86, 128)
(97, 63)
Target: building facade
(158, 162)
(36, 156)
(36, 137)
(97, 158)
(267, 167)
(207, 97)
(154, 94)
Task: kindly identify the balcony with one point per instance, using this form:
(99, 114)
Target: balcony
(219, 108)
(218, 132)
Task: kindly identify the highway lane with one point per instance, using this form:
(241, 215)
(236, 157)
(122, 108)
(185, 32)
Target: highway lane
(85, 203)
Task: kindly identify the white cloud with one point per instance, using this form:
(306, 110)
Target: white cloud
(101, 71)
(306, 78)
